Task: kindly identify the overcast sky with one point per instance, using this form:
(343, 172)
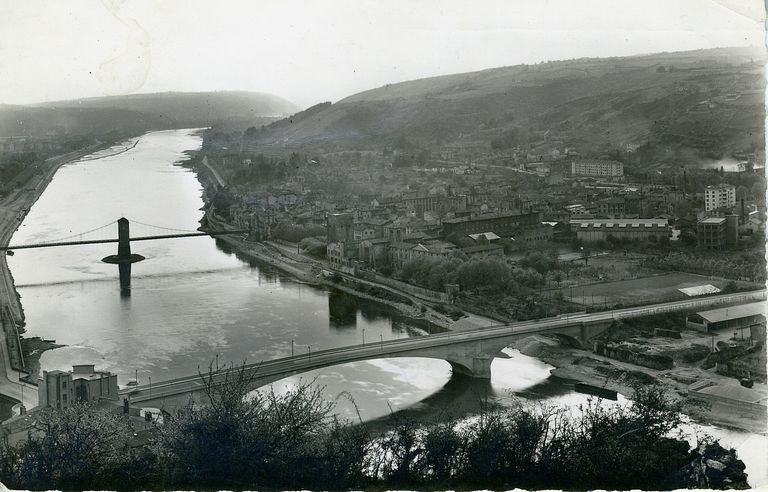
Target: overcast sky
(319, 50)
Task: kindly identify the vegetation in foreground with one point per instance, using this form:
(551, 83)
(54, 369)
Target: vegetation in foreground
(241, 440)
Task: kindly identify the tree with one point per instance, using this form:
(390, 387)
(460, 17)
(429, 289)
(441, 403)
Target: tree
(241, 438)
(81, 446)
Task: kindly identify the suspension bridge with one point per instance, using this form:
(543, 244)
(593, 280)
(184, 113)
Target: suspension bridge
(124, 258)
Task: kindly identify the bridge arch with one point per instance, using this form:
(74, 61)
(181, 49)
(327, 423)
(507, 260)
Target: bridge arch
(568, 340)
(472, 366)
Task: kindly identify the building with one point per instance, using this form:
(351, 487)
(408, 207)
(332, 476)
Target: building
(597, 168)
(536, 234)
(340, 228)
(374, 251)
(613, 207)
(593, 230)
(83, 384)
(400, 252)
(483, 250)
(500, 224)
(436, 203)
(718, 233)
(740, 317)
(719, 196)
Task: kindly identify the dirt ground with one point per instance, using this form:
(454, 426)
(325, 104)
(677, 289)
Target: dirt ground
(583, 365)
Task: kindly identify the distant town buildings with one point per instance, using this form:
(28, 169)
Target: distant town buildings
(13, 145)
(59, 389)
(597, 168)
(719, 196)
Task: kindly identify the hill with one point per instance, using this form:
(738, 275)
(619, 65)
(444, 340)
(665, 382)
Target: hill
(141, 112)
(701, 100)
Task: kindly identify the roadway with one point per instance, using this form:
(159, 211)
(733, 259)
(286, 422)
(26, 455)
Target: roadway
(301, 363)
(216, 175)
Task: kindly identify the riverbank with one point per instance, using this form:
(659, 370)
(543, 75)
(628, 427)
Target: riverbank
(14, 206)
(309, 272)
(585, 366)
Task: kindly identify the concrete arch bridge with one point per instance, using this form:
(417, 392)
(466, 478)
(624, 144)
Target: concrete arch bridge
(469, 353)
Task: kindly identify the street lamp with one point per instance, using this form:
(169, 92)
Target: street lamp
(292, 348)
(309, 351)
(381, 341)
(150, 386)
(363, 336)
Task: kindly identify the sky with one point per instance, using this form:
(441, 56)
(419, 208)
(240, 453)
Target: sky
(323, 50)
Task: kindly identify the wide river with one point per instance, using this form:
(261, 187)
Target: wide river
(192, 301)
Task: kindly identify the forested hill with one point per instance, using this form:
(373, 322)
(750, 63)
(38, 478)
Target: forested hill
(697, 99)
(141, 112)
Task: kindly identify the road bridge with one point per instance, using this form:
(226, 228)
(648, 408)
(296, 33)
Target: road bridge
(469, 352)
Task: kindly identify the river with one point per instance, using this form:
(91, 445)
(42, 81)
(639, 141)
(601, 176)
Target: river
(192, 301)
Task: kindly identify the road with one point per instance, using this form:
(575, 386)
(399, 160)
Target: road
(306, 362)
(215, 173)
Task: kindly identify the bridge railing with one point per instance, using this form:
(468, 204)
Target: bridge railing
(484, 332)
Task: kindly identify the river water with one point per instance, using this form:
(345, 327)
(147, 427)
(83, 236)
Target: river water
(193, 301)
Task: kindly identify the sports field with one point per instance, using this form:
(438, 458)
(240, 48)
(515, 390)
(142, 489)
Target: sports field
(656, 288)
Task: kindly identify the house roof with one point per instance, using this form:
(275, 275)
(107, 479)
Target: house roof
(712, 220)
(488, 235)
(734, 312)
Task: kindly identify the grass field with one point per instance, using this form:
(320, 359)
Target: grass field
(657, 288)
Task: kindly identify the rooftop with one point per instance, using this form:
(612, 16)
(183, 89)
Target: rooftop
(459, 220)
(621, 222)
(712, 220)
(734, 312)
(488, 235)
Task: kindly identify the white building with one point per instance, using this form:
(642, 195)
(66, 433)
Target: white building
(719, 196)
(597, 168)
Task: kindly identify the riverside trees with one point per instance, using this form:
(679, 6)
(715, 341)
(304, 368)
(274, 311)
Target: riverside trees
(244, 440)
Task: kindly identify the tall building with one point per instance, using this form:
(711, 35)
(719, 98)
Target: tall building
(83, 383)
(718, 232)
(719, 196)
(597, 168)
(340, 228)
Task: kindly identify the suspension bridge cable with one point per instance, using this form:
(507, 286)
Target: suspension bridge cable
(163, 228)
(78, 235)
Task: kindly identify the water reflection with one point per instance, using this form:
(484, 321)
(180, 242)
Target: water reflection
(342, 310)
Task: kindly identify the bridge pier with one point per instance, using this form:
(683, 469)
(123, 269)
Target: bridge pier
(123, 258)
(478, 366)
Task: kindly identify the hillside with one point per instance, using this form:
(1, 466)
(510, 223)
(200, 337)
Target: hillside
(683, 99)
(141, 112)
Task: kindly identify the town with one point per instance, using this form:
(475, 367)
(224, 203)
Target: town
(547, 275)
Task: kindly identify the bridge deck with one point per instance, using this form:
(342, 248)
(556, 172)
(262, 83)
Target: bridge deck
(115, 240)
(374, 350)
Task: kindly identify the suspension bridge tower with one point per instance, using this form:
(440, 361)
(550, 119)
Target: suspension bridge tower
(124, 259)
